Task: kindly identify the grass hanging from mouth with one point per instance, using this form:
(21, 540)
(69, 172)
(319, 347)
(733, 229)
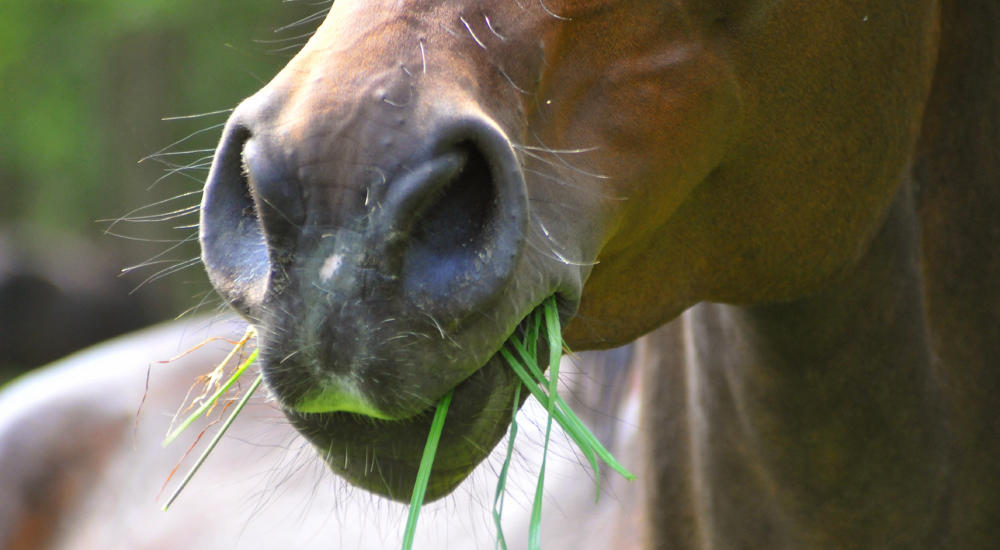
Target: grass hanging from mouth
(525, 365)
(545, 390)
(498, 498)
(424, 471)
(215, 441)
(209, 403)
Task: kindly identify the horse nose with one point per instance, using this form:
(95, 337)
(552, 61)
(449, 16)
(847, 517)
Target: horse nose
(445, 229)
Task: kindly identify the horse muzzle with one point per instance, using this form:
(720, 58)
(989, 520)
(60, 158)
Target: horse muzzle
(358, 297)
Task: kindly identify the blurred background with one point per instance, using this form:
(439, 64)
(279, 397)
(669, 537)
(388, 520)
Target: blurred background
(109, 110)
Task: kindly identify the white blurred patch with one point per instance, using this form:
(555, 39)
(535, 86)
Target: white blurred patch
(330, 266)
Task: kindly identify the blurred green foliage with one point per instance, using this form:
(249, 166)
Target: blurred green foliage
(84, 86)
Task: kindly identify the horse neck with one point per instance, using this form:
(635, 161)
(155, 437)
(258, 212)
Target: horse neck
(863, 416)
(798, 424)
(957, 172)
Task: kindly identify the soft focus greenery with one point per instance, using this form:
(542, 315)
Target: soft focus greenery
(85, 83)
(84, 86)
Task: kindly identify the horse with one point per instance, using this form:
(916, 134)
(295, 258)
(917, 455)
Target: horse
(794, 203)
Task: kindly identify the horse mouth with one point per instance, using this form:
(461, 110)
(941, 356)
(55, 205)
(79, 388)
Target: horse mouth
(382, 456)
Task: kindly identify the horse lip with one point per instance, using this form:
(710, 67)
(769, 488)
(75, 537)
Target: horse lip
(340, 397)
(327, 402)
(379, 419)
(397, 444)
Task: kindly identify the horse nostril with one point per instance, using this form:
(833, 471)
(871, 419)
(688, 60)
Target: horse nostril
(465, 230)
(277, 198)
(234, 249)
(458, 218)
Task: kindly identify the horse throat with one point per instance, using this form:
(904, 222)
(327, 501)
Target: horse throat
(815, 423)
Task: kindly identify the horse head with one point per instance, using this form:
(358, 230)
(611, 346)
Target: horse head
(424, 174)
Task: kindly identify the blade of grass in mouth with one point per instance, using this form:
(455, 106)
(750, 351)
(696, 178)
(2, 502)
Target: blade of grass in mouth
(575, 428)
(554, 331)
(557, 409)
(424, 470)
(498, 498)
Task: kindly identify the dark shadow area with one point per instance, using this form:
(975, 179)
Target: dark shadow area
(60, 293)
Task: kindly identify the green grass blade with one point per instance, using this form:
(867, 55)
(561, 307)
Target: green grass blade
(215, 440)
(498, 499)
(424, 470)
(535, 527)
(529, 361)
(570, 423)
(555, 353)
(211, 400)
(541, 396)
(554, 333)
(529, 382)
(589, 439)
(531, 336)
(578, 431)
